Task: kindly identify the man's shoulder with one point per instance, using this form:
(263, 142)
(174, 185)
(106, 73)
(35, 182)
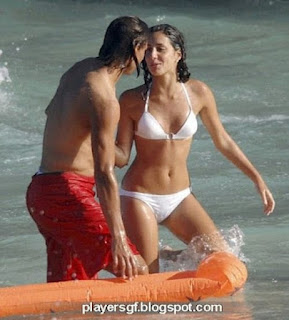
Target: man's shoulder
(86, 63)
(78, 74)
(99, 92)
(97, 84)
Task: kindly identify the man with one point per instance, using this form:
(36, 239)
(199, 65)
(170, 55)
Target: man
(83, 236)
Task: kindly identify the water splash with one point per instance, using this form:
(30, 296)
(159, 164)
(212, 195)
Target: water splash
(235, 238)
(4, 73)
(190, 257)
(4, 78)
(160, 18)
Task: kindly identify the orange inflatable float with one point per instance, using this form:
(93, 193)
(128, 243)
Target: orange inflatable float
(220, 274)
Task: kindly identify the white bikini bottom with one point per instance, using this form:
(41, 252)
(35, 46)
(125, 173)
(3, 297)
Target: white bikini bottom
(161, 205)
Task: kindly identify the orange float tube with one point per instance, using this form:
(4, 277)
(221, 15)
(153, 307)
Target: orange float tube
(220, 274)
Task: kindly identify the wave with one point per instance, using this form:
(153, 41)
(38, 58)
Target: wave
(254, 119)
(281, 6)
(219, 3)
(14, 136)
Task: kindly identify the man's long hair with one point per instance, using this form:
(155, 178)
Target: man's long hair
(121, 37)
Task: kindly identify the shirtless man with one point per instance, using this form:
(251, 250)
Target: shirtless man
(83, 236)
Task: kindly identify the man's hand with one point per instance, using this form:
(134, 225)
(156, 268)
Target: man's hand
(124, 262)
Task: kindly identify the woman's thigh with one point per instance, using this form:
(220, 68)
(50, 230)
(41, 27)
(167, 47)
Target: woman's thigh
(142, 229)
(190, 220)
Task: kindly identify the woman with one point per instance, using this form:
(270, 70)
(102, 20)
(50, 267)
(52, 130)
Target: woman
(160, 117)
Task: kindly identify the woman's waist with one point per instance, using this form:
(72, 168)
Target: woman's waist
(158, 180)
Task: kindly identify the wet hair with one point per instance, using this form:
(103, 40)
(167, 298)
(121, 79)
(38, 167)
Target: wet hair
(121, 37)
(177, 41)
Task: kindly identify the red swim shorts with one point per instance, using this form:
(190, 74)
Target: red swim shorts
(72, 223)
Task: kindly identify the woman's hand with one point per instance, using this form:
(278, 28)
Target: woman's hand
(267, 197)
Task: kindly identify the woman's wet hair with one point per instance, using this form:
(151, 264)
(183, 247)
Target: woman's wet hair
(177, 41)
(121, 37)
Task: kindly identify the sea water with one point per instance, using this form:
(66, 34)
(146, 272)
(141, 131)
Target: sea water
(239, 48)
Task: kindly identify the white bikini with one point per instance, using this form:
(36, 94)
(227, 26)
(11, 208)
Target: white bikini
(149, 128)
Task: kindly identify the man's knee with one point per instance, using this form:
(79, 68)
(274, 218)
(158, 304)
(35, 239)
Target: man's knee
(142, 267)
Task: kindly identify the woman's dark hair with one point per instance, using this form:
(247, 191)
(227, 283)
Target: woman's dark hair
(177, 41)
(121, 37)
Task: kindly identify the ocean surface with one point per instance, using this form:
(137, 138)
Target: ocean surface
(240, 49)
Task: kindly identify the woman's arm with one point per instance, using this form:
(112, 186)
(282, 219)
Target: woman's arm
(229, 148)
(125, 133)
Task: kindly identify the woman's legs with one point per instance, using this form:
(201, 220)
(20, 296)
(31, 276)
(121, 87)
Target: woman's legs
(142, 229)
(190, 220)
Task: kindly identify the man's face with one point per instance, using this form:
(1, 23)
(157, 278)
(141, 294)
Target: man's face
(139, 53)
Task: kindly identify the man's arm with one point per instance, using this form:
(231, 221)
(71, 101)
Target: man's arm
(104, 116)
(125, 133)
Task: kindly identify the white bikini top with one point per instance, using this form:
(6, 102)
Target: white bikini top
(149, 128)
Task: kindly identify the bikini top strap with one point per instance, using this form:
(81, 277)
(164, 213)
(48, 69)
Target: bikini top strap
(185, 91)
(187, 95)
(147, 99)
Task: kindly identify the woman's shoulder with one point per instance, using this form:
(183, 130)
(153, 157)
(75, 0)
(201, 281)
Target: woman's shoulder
(199, 87)
(202, 93)
(134, 92)
(133, 96)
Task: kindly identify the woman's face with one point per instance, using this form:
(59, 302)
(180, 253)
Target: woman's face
(161, 57)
